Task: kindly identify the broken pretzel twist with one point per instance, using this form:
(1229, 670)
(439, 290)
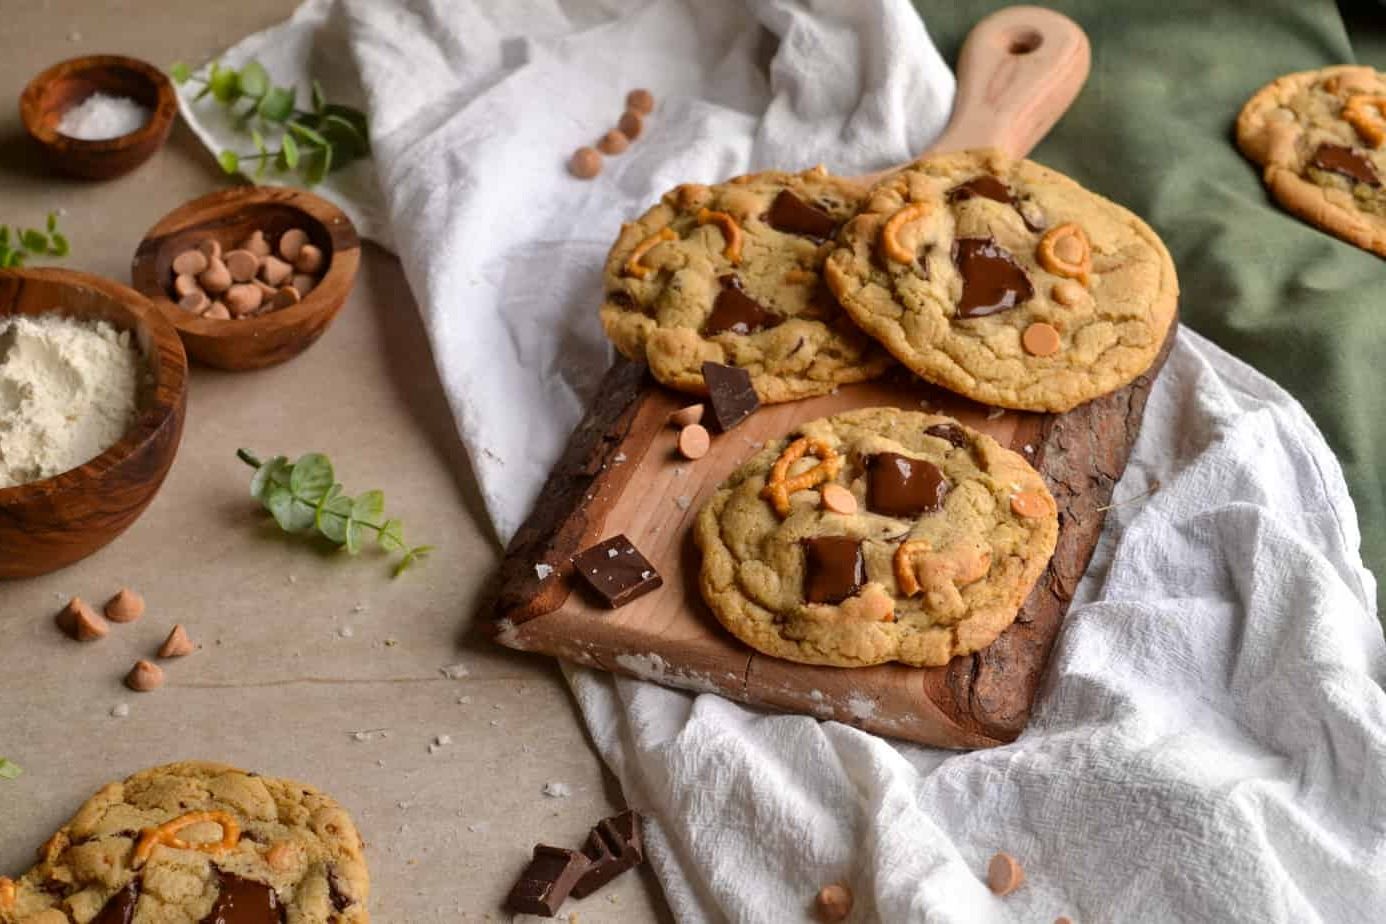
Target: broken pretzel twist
(167, 834)
(891, 244)
(633, 265)
(731, 231)
(1066, 251)
(780, 486)
(939, 574)
(1367, 116)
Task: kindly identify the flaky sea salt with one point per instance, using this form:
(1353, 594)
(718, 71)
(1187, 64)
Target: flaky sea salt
(100, 117)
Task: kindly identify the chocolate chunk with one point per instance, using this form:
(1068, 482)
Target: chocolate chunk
(547, 880)
(617, 571)
(793, 215)
(120, 908)
(833, 568)
(733, 310)
(730, 395)
(244, 901)
(992, 280)
(899, 486)
(1345, 162)
(950, 432)
(613, 846)
(984, 186)
(340, 900)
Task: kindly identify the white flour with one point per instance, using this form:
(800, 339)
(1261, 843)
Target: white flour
(68, 391)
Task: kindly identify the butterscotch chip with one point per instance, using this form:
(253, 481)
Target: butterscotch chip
(216, 278)
(7, 893)
(1004, 874)
(1041, 339)
(282, 856)
(1030, 504)
(194, 302)
(304, 283)
(838, 499)
(694, 441)
(1063, 919)
(177, 645)
(834, 903)
(685, 416)
(145, 676)
(185, 285)
(1068, 293)
(613, 142)
(125, 606)
(256, 244)
(641, 101)
(210, 248)
(218, 312)
(189, 263)
(275, 271)
(631, 124)
(242, 265)
(285, 297)
(267, 291)
(291, 242)
(243, 299)
(79, 621)
(585, 163)
(309, 259)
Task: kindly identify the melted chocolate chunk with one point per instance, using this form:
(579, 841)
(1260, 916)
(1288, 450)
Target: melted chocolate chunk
(1345, 162)
(899, 486)
(547, 880)
(730, 395)
(984, 186)
(733, 310)
(793, 215)
(340, 900)
(120, 909)
(614, 846)
(950, 432)
(992, 280)
(833, 569)
(244, 901)
(617, 571)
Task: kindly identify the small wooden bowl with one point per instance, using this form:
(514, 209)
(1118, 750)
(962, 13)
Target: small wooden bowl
(47, 524)
(64, 85)
(230, 216)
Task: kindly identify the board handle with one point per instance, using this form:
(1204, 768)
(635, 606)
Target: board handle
(1018, 72)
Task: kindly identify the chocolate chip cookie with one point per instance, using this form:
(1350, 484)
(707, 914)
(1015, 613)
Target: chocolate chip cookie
(197, 843)
(1005, 281)
(1318, 137)
(730, 274)
(931, 555)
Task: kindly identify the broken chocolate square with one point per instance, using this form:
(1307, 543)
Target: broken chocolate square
(899, 486)
(547, 880)
(793, 215)
(730, 395)
(614, 846)
(617, 571)
(834, 569)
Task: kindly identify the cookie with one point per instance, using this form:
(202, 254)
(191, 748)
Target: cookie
(730, 274)
(1318, 136)
(197, 843)
(1005, 281)
(948, 534)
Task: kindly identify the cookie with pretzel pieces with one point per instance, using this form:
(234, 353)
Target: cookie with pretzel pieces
(193, 843)
(1005, 281)
(730, 274)
(930, 556)
(1320, 139)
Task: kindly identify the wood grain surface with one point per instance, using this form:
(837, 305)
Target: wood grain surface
(230, 216)
(45, 525)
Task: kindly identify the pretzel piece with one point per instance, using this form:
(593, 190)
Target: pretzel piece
(1066, 251)
(633, 265)
(167, 834)
(780, 486)
(939, 574)
(891, 244)
(1367, 116)
(731, 231)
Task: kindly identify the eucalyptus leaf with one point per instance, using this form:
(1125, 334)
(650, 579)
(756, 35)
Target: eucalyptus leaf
(369, 508)
(318, 166)
(307, 134)
(288, 151)
(225, 85)
(279, 501)
(259, 141)
(34, 241)
(275, 471)
(277, 104)
(353, 537)
(413, 557)
(332, 522)
(312, 477)
(179, 72)
(230, 161)
(391, 536)
(319, 98)
(60, 246)
(4, 235)
(52, 222)
(255, 80)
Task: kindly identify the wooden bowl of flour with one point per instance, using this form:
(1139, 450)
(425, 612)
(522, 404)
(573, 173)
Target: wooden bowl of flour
(47, 524)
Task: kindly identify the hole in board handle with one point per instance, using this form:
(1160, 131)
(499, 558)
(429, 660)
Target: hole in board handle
(1024, 42)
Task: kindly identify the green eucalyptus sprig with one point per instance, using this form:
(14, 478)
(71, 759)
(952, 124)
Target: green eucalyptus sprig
(313, 142)
(19, 244)
(304, 497)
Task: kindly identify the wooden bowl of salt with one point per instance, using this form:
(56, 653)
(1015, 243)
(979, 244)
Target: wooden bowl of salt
(99, 116)
(53, 522)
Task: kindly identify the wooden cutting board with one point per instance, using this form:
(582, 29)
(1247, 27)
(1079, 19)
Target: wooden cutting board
(1018, 71)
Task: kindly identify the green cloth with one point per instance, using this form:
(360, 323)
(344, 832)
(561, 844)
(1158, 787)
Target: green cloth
(1152, 129)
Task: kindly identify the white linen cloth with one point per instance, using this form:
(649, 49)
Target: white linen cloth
(1209, 741)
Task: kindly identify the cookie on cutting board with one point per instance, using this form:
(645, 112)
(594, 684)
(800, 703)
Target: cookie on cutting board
(193, 843)
(875, 535)
(1005, 281)
(730, 274)
(1318, 137)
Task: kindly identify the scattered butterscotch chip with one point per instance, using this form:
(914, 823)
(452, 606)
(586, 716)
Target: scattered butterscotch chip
(838, 499)
(585, 163)
(242, 264)
(194, 302)
(185, 284)
(309, 259)
(694, 441)
(216, 278)
(685, 416)
(642, 101)
(1029, 504)
(218, 312)
(834, 902)
(631, 124)
(256, 244)
(145, 676)
(189, 263)
(79, 621)
(177, 645)
(613, 142)
(291, 242)
(1041, 339)
(275, 271)
(125, 606)
(1004, 874)
(243, 299)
